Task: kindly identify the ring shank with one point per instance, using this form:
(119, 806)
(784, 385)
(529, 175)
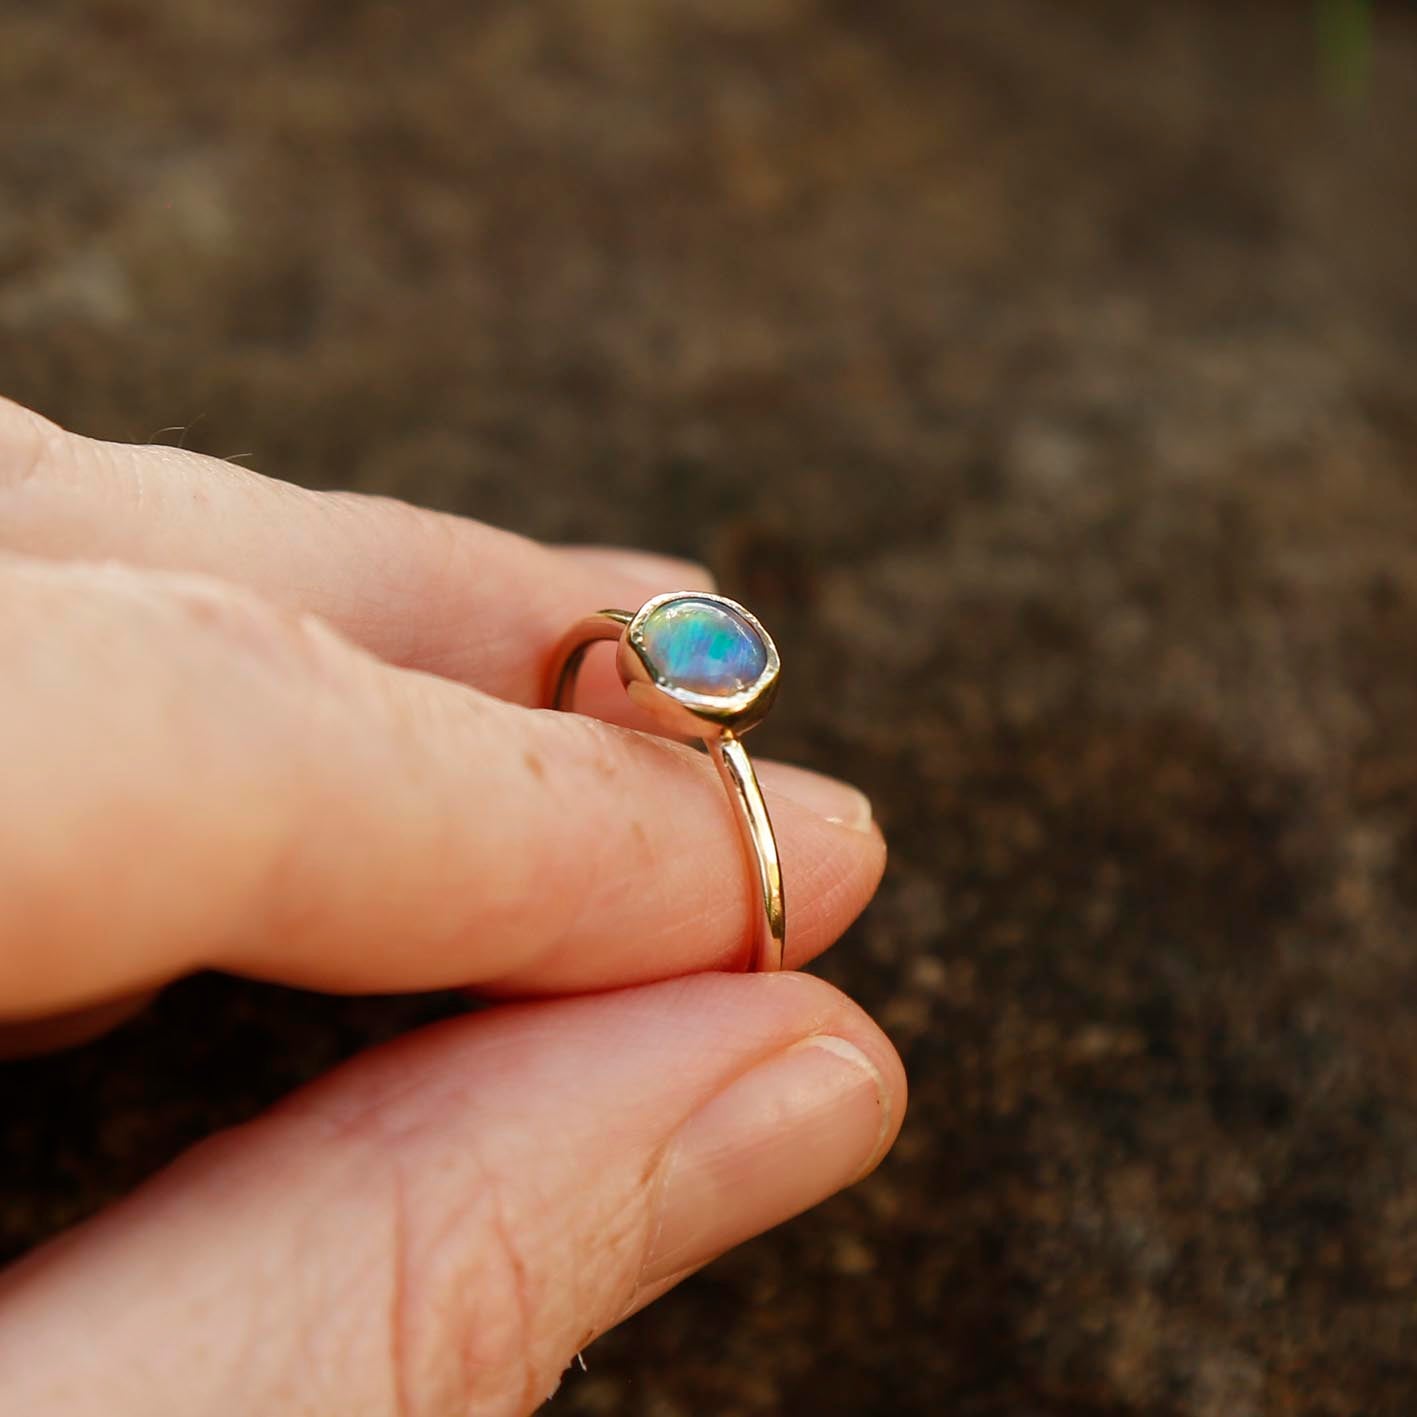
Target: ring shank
(735, 770)
(571, 652)
(760, 846)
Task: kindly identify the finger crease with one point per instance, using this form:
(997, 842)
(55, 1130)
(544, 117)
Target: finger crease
(399, 1316)
(530, 1398)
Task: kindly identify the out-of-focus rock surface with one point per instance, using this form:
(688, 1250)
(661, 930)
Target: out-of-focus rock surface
(1046, 377)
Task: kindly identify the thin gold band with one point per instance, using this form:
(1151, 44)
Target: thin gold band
(759, 846)
(735, 769)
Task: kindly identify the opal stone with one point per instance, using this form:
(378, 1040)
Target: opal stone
(703, 647)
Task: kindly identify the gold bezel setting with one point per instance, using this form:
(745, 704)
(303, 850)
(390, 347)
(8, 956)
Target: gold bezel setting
(716, 719)
(686, 710)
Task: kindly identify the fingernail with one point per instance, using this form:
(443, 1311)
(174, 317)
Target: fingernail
(658, 573)
(836, 801)
(788, 1134)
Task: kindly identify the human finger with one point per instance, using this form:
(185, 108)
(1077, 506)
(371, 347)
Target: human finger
(420, 589)
(442, 1224)
(195, 779)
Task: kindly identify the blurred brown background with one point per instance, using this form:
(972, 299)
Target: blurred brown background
(1045, 375)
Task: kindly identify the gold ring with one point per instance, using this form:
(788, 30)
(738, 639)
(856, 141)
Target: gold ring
(705, 668)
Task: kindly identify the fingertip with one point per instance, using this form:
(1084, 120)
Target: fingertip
(770, 1012)
(843, 1024)
(831, 871)
(839, 802)
(799, 1124)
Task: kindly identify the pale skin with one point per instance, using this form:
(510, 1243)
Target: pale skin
(293, 736)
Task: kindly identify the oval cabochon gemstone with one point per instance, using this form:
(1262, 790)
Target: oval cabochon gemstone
(703, 647)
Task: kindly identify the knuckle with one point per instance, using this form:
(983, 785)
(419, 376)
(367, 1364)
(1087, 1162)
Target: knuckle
(248, 630)
(521, 1280)
(190, 634)
(495, 1298)
(470, 1320)
(31, 447)
(495, 1260)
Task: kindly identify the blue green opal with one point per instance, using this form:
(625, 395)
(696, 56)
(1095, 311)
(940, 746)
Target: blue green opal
(703, 647)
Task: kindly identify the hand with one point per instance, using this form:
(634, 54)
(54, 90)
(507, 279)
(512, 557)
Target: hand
(289, 735)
